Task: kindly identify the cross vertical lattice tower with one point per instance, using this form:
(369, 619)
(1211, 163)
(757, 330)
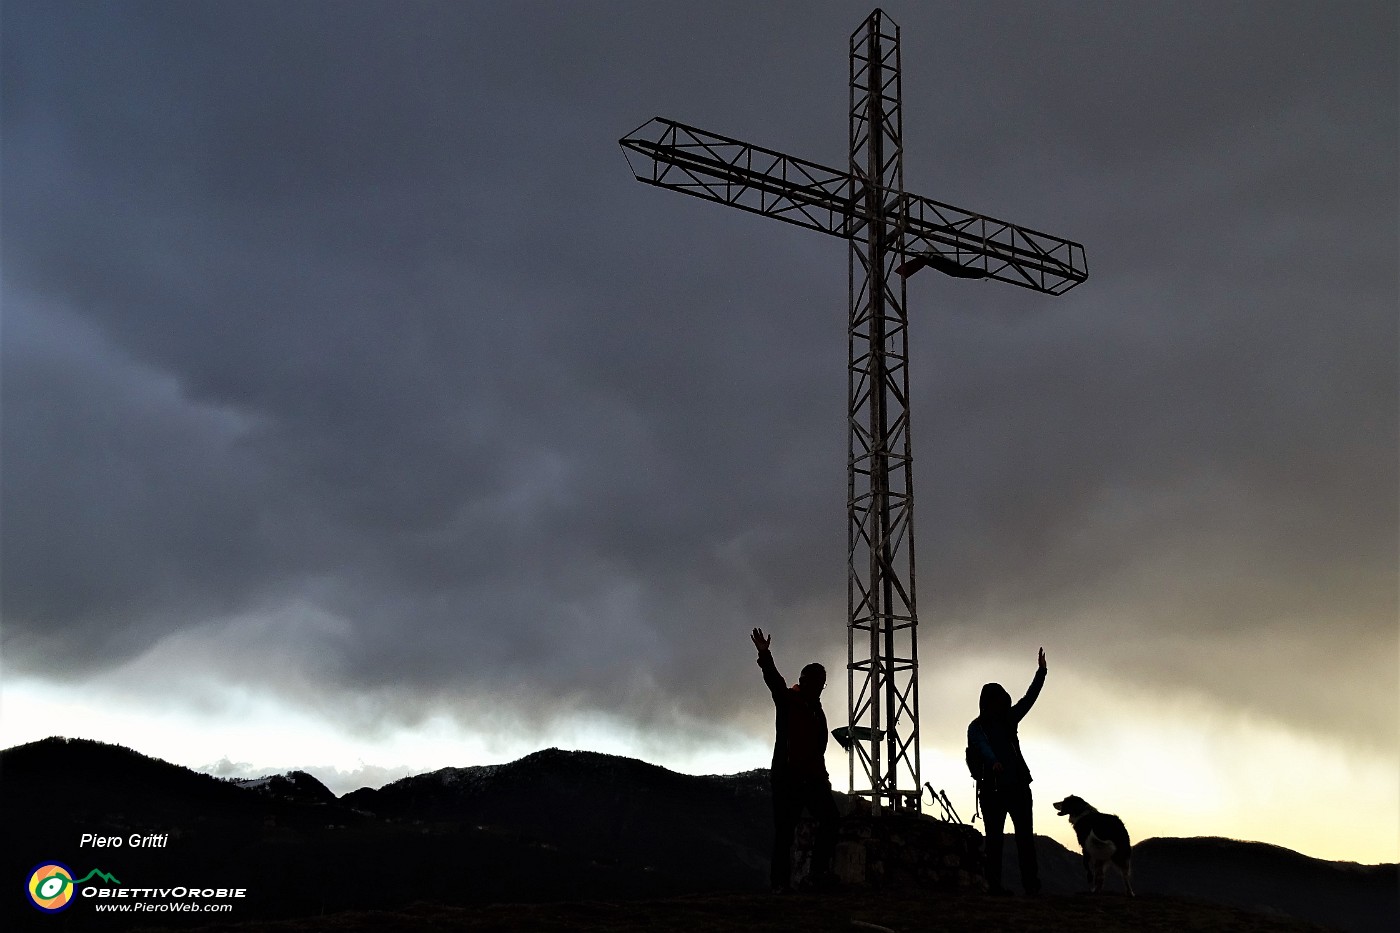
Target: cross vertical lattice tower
(892, 234)
(882, 664)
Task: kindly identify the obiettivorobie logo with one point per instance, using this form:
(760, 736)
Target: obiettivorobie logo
(51, 885)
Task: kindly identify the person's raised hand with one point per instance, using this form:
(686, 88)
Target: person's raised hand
(1042, 659)
(760, 641)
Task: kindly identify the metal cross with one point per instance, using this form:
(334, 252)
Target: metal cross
(892, 234)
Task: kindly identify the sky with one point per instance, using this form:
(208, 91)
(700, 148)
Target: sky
(360, 412)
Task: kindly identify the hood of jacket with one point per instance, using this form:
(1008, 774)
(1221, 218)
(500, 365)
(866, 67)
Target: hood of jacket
(995, 703)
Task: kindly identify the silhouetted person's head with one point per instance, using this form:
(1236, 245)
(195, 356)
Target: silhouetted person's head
(812, 680)
(995, 702)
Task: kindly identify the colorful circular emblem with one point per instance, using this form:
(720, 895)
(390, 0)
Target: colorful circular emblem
(51, 887)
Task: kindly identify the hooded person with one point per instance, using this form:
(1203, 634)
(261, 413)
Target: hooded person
(1004, 781)
(799, 777)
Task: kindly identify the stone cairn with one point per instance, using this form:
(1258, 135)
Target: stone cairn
(896, 850)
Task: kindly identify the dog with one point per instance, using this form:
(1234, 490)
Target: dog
(1104, 839)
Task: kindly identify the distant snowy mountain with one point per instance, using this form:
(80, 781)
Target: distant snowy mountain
(293, 785)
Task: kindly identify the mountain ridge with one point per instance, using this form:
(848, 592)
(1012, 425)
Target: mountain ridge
(554, 825)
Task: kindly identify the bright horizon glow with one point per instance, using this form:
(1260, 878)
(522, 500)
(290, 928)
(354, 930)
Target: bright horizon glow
(1167, 769)
(257, 736)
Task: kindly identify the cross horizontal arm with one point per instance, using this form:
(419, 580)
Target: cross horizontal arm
(718, 168)
(764, 181)
(984, 247)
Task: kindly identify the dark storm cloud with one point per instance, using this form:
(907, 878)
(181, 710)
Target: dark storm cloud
(357, 306)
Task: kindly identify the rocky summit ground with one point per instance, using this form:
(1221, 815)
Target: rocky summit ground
(845, 912)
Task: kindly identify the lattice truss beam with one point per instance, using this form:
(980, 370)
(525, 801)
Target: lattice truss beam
(672, 155)
(882, 616)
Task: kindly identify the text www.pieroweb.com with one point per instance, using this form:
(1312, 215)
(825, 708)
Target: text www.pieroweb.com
(163, 900)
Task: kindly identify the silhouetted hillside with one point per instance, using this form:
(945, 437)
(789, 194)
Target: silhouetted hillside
(1258, 876)
(712, 830)
(1251, 875)
(72, 771)
(553, 826)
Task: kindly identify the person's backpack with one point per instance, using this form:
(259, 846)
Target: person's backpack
(975, 767)
(975, 764)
